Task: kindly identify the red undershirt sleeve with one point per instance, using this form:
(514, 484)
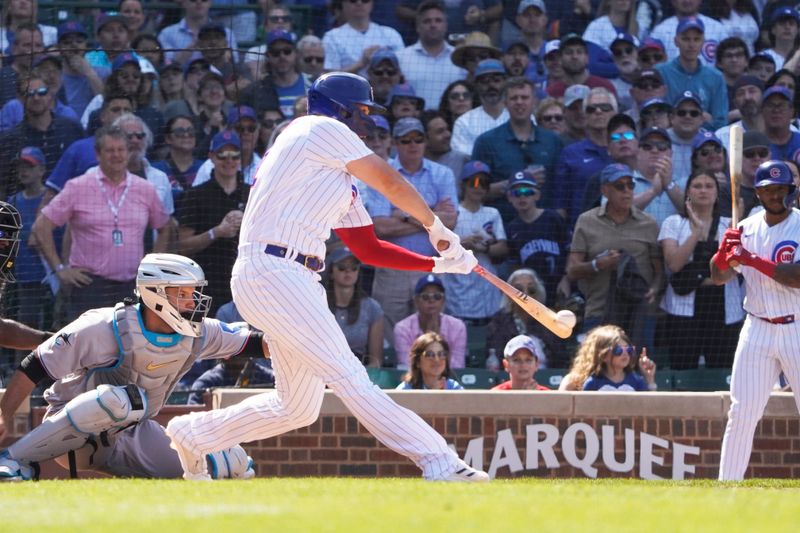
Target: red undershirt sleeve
(369, 249)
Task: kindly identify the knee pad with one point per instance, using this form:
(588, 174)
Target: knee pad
(232, 463)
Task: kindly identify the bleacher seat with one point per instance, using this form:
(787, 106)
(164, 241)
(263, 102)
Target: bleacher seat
(701, 379)
(386, 378)
(550, 377)
(477, 378)
(476, 346)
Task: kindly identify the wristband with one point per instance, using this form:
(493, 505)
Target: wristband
(594, 265)
(211, 234)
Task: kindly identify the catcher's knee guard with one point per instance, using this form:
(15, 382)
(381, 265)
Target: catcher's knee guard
(87, 415)
(232, 463)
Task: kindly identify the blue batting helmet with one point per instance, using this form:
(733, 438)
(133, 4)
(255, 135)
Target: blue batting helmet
(339, 95)
(776, 172)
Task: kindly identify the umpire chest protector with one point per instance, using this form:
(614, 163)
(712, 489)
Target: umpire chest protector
(155, 362)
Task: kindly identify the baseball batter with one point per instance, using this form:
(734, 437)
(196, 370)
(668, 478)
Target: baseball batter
(765, 247)
(304, 188)
(113, 369)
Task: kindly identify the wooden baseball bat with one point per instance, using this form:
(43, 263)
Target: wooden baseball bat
(736, 142)
(560, 323)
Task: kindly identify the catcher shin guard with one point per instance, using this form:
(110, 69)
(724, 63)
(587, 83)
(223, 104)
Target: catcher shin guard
(233, 463)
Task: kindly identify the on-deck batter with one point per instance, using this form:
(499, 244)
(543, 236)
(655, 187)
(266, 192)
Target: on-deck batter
(765, 246)
(304, 188)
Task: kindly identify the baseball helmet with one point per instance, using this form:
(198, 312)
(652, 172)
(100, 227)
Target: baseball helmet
(10, 226)
(776, 172)
(159, 271)
(345, 97)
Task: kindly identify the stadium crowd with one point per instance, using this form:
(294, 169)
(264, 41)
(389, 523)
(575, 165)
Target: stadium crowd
(577, 147)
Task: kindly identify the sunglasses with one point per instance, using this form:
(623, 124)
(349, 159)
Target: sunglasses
(604, 108)
(660, 146)
(650, 85)
(708, 150)
(136, 135)
(280, 18)
(41, 91)
(430, 354)
(622, 185)
(522, 192)
(461, 95)
(432, 296)
(552, 118)
(384, 73)
(250, 128)
(415, 140)
(182, 132)
(313, 59)
(619, 350)
(761, 153)
(346, 268)
(379, 136)
(476, 56)
(624, 136)
(651, 58)
(622, 51)
(277, 52)
(228, 156)
(269, 123)
(694, 113)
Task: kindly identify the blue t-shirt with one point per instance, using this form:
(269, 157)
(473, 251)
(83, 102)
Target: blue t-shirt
(287, 95)
(633, 382)
(78, 92)
(28, 266)
(789, 151)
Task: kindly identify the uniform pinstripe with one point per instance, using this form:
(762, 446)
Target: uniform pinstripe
(764, 349)
(302, 191)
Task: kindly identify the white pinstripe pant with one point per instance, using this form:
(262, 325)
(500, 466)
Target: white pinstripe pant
(764, 350)
(309, 350)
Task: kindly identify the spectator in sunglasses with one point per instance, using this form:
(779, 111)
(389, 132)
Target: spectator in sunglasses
(651, 53)
(180, 165)
(429, 365)
(607, 361)
(755, 150)
(550, 115)
(660, 193)
(311, 56)
(180, 40)
(777, 108)
(268, 121)
(624, 51)
(243, 120)
(654, 113)
(429, 300)
(458, 98)
(710, 156)
(687, 119)
(384, 74)
(647, 85)
(282, 61)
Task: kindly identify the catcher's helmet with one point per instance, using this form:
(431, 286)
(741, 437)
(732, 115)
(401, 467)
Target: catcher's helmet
(10, 226)
(345, 97)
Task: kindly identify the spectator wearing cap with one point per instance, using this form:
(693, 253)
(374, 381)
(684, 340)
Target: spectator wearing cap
(80, 80)
(626, 59)
(518, 143)
(278, 18)
(654, 113)
(710, 157)
(651, 53)
(394, 289)
(359, 316)
(575, 62)
(311, 56)
(762, 66)
(113, 38)
(108, 210)
(193, 72)
(39, 127)
(244, 121)
(25, 49)
(262, 94)
(647, 85)
(532, 22)
(403, 102)
(732, 57)
(146, 45)
(384, 74)
(687, 73)
(472, 298)
(490, 76)
(552, 63)
(537, 237)
(180, 40)
(777, 108)
(438, 148)
(475, 48)
(521, 357)
(212, 42)
(170, 83)
(687, 120)
(429, 316)
(585, 158)
(179, 164)
(379, 140)
(516, 59)
(784, 34)
(755, 150)
(431, 53)
(574, 114)
(668, 28)
(282, 61)
(17, 14)
(613, 18)
(210, 215)
(600, 236)
(31, 296)
(213, 107)
(350, 46)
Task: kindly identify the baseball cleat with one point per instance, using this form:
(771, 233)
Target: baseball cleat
(465, 473)
(194, 467)
(11, 470)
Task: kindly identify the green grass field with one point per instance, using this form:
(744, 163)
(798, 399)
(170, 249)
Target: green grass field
(406, 505)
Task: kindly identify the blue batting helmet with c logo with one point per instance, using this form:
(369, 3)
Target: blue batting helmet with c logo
(340, 95)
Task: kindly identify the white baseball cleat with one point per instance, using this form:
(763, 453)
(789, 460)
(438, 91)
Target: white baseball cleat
(465, 473)
(11, 470)
(194, 467)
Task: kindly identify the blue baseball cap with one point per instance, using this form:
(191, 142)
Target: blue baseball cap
(384, 54)
(474, 167)
(524, 178)
(406, 125)
(688, 96)
(380, 122)
(761, 56)
(340, 254)
(211, 27)
(615, 172)
(279, 35)
(108, 19)
(572, 38)
(525, 4)
(225, 138)
(655, 131)
(188, 64)
(405, 90)
(777, 89)
(489, 66)
(625, 38)
(124, 59)
(784, 13)
(652, 43)
(426, 280)
(655, 102)
(690, 23)
(517, 44)
(239, 112)
(704, 137)
(71, 27)
(32, 155)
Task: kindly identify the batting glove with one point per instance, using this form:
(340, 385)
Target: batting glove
(744, 257)
(730, 239)
(462, 265)
(720, 259)
(437, 233)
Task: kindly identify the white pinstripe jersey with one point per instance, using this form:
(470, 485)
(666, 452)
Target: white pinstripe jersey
(303, 190)
(766, 297)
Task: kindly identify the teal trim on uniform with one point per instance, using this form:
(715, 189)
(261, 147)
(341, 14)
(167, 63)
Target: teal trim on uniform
(73, 424)
(214, 469)
(119, 345)
(154, 338)
(227, 464)
(109, 413)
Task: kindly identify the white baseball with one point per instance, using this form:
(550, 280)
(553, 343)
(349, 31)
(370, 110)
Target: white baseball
(567, 318)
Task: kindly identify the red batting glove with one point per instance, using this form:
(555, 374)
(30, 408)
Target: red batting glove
(744, 257)
(720, 259)
(731, 238)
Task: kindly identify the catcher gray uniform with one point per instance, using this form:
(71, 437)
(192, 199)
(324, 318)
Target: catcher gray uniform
(106, 358)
